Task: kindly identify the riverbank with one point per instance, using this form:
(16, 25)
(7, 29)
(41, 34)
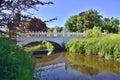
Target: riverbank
(107, 46)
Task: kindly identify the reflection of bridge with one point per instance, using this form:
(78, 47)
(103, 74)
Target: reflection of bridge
(43, 71)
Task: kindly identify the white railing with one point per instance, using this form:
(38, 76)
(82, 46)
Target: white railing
(49, 34)
(74, 34)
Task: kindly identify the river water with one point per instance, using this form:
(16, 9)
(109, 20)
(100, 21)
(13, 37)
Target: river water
(69, 66)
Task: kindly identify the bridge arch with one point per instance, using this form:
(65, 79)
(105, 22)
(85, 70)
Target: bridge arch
(25, 38)
(56, 47)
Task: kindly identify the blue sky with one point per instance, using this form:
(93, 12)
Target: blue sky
(63, 9)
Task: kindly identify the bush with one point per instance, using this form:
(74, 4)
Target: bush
(15, 63)
(48, 45)
(75, 45)
(107, 46)
(90, 47)
(34, 46)
(95, 32)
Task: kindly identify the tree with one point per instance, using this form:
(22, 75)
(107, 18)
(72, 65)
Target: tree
(84, 20)
(50, 29)
(59, 29)
(11, 11)
(73, 24)
(111, 25)
(90, 19)
(37, 25)
(34, 24)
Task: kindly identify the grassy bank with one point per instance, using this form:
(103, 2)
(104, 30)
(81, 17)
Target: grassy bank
(107, 46)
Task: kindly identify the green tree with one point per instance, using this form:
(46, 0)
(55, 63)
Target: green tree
(90, 19)
(73, 24)
(111, 25)
(50, 29)
(85, 20)
(59, 29)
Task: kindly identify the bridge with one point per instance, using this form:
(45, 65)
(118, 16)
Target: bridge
(59, 38)
(56, 37)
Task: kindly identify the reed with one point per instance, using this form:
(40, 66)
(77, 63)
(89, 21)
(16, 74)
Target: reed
(107, 46)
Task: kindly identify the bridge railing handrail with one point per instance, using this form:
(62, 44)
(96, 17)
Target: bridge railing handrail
(74, 34)
(48, 34)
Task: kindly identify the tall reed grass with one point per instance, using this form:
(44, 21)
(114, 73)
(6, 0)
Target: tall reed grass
(107, 46)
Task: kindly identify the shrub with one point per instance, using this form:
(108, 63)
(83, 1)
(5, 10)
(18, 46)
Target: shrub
(48, 45)
(75, 45)
(95, 32)
(90, 47)
(15, 63)
(38, 46)
(107, 46)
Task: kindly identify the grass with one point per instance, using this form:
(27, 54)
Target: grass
(107, 46)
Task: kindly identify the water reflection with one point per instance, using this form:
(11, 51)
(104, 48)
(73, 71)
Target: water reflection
(76, 67)
(93, 62)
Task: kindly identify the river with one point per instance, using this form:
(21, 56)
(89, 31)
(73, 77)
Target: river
(69, 66)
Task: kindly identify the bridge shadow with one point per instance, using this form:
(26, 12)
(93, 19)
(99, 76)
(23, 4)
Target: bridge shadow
(57, 47)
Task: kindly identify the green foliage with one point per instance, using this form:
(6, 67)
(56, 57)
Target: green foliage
(38, 46)
(73, 24)
(90, 47)
(107, 46)
(95, 32)
(15, 63)
(50, 30)
(34, 46)
(110, 25)
(76, 45)
(59, 29)
(90, 18)
(85, 20)
(48, 45)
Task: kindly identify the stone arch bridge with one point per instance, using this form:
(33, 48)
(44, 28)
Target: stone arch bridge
(57, 37)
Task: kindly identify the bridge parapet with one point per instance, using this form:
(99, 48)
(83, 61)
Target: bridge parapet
(50, 34)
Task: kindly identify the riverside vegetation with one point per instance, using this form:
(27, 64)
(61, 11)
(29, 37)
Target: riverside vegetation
(38, 46)
(16, 64)
(107, 46)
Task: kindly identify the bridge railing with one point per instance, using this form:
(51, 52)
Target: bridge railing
(73, 34)
(49, 34)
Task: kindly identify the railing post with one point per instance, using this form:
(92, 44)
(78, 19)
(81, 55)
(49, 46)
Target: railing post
(55, 33)
(64, 32)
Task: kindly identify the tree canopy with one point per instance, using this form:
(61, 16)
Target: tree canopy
(84, 20)
(110, 25)
(58, 29)
(34, 24)
(90, 18)
(11, 11)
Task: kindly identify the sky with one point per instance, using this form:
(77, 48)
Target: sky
(63, 9)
